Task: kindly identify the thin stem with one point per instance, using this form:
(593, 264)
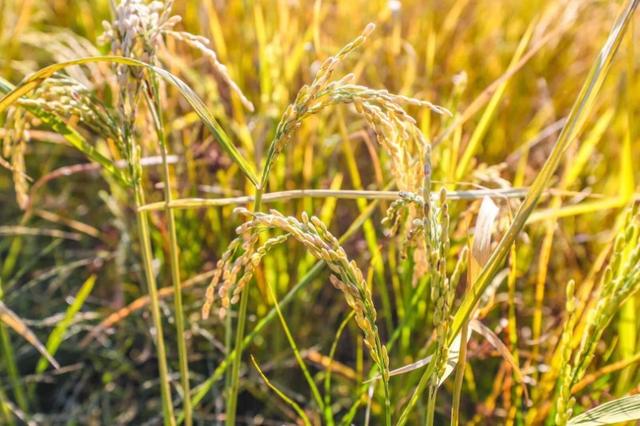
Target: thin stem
(296, 352)
(385, 384)
(145, 245)
(462, 356)
(327, 377)
(346, 194)
(174, 262)
(459, 379)
(232, 398)
(10, 362)
(285, 398)
(431, 404)
(12, 370)
(5, 409)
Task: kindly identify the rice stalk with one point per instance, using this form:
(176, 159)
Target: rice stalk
(135, 33)
(174, 264)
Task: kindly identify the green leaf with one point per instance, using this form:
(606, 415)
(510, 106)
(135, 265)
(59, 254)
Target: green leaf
(620, 410)
(57, 335)
(35, 79)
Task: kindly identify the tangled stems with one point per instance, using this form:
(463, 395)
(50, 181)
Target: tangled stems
(183, 359)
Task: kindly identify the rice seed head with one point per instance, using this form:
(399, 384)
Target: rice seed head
(66, 97)
(231, 277)
(137, 31)
(443, 286)
(564, 402)
(14, 146)
(620, 280)
(137, 28)
(395, 129)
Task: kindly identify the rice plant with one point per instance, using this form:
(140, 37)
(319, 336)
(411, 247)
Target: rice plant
(280, 212)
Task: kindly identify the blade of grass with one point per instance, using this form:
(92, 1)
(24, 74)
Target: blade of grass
(315, 392)
(332, 352)
(5, 409)
(480, 130)
(12, 369)
(144, 239)
(627, 321)
(285, 398)
(485, 96)
(57, 335)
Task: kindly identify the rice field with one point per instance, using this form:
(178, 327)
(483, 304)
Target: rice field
(314, 212)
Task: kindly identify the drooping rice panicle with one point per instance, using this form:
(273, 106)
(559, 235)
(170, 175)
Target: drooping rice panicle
(231, 277)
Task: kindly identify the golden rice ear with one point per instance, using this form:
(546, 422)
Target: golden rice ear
(14, 148)
(20, 183)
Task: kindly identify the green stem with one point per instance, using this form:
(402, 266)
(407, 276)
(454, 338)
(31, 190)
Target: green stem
(174, 262)
(431, 404)
(294, 347)
(232, 398)
(145, 246)
(10, 362)
(12, 369)
(5, 409)
(327, 379)
(459, 379)
(385, 385)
